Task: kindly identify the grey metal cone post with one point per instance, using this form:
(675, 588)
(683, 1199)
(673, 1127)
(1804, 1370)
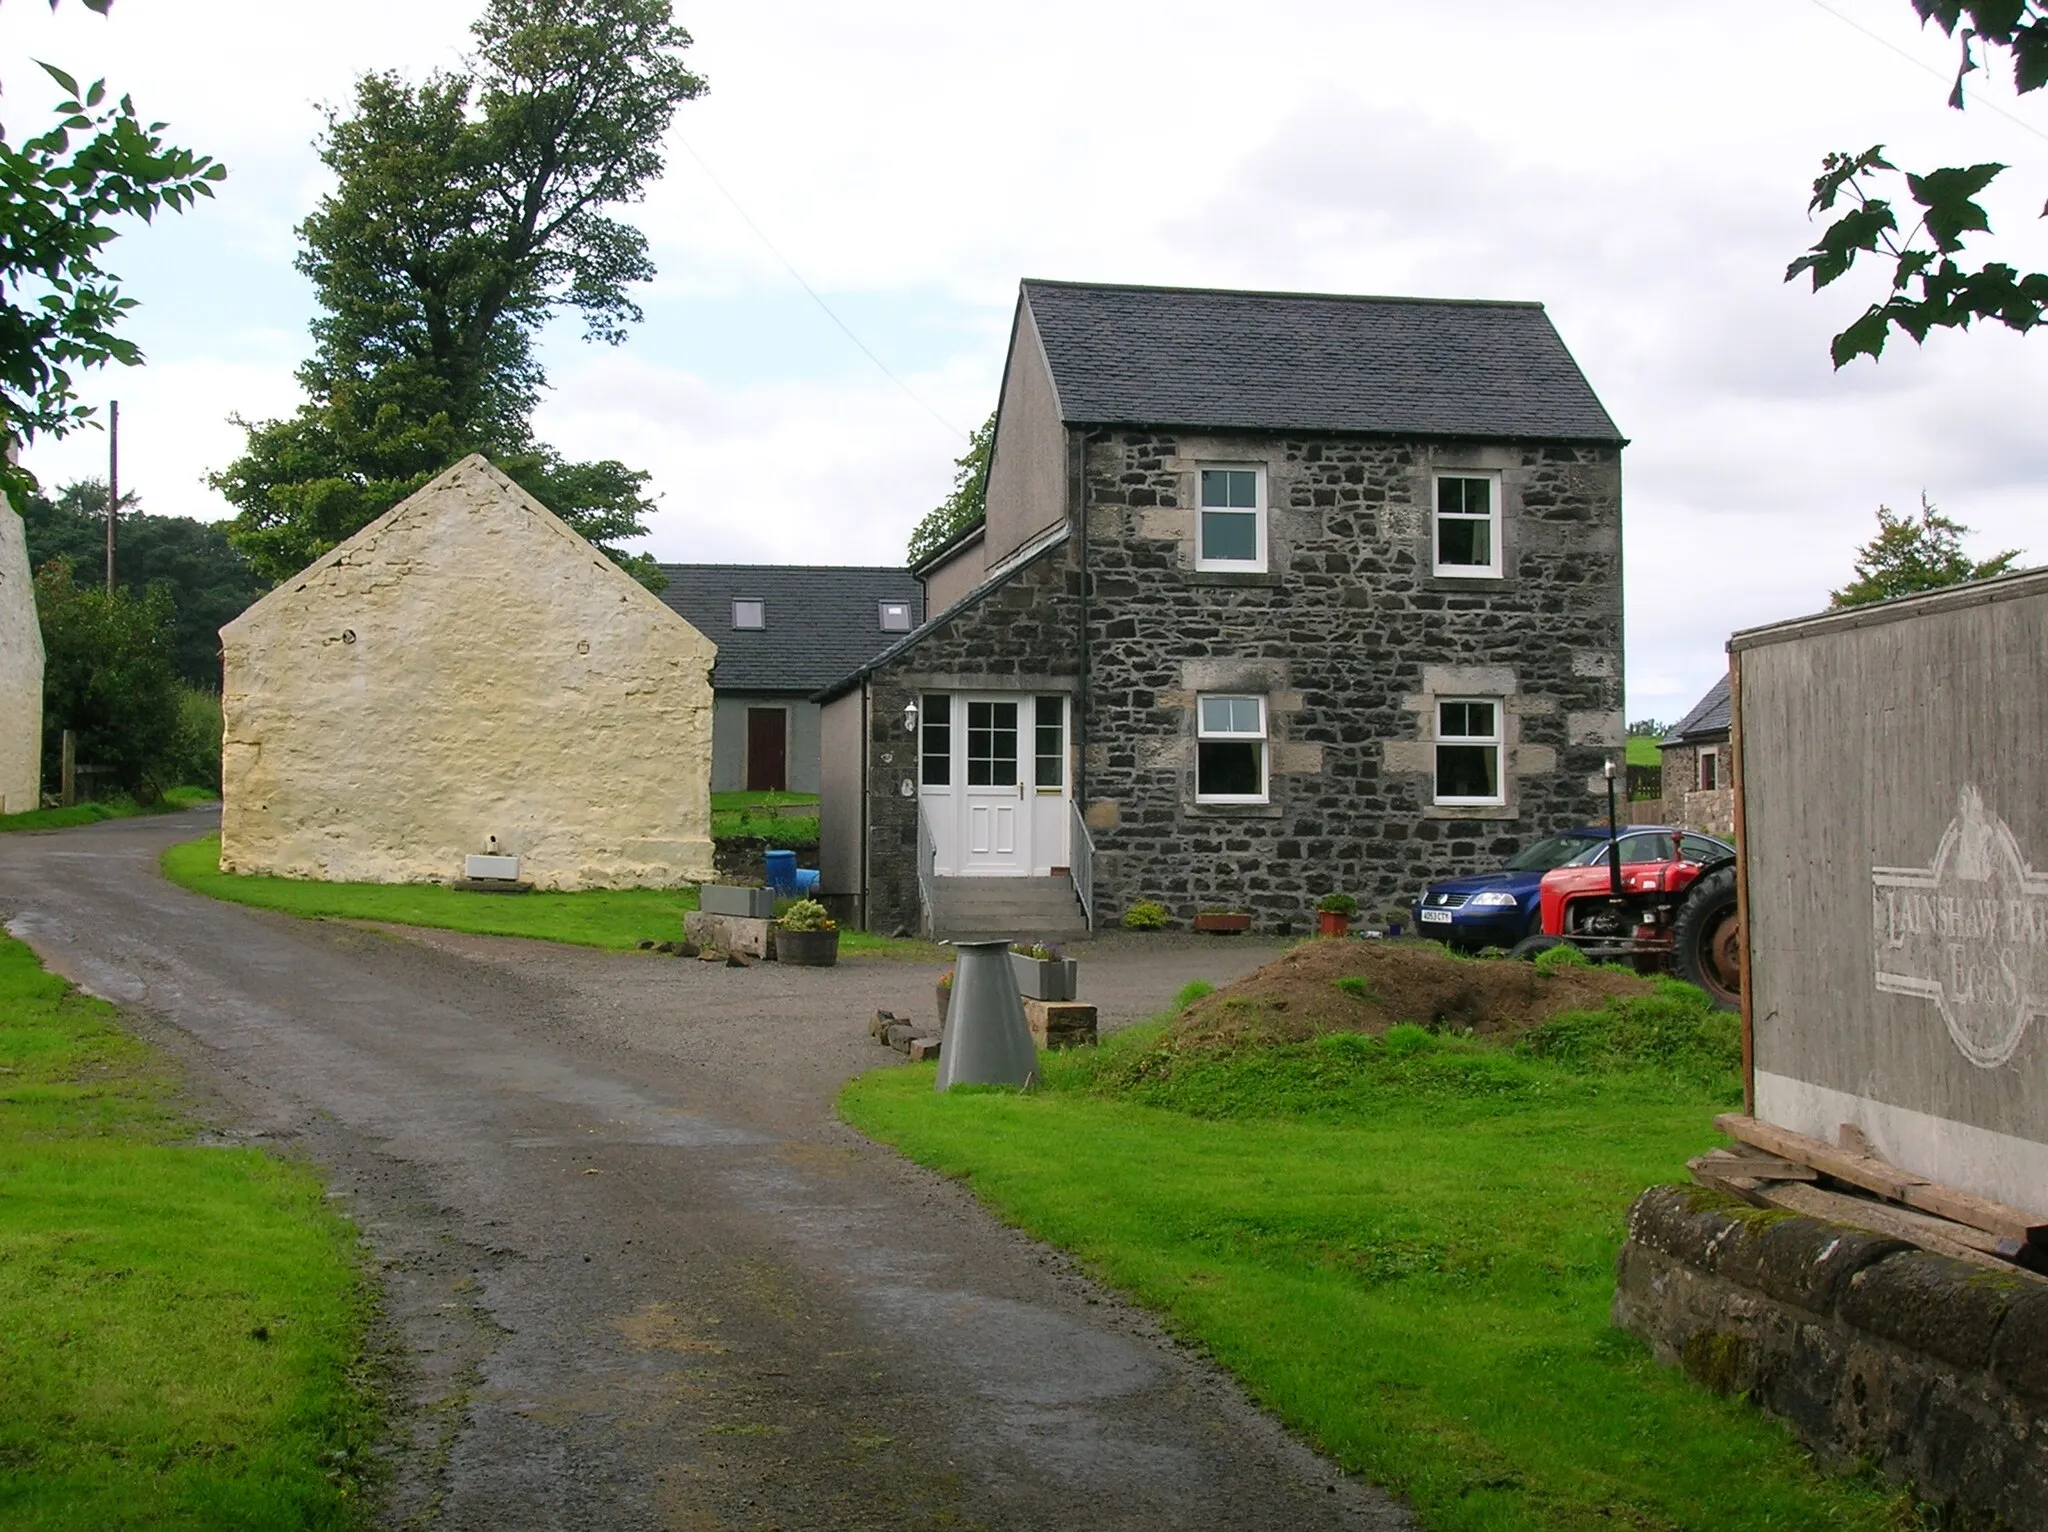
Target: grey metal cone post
(987, 1041)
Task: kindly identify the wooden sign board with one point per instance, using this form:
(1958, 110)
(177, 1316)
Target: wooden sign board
(1892, 785)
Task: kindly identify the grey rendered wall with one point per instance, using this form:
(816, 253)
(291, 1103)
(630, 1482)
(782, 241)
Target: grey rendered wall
(839, 805)
(1896, 839)
(1350, 637)
(1027, 476)
(729, 741)
(955, 578)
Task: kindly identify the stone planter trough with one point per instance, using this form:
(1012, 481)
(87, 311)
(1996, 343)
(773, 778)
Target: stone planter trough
(727, 899)
(1045, 978)
(806, 949)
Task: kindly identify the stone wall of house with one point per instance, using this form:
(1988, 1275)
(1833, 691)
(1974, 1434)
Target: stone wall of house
(466, 667)
(1870, 1349)
(1023, 636)
(1351, 638)
(1711, 812)
(21, 673)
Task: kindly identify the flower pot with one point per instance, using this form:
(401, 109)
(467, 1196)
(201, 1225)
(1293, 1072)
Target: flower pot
(1332, 923)
(807, 949)
(1045, 978)
(1393, 928)
(1223, 925)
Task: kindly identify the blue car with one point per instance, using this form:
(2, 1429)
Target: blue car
(1498, 909)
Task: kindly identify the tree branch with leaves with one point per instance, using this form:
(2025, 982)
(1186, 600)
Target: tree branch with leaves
(1930, 287)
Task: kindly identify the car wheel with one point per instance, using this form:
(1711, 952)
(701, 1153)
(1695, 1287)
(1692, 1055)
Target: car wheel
(1529, 948)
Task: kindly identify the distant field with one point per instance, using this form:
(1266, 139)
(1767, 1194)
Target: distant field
(1643, 751)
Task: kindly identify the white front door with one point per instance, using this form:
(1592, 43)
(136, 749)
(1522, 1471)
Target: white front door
(995, 829)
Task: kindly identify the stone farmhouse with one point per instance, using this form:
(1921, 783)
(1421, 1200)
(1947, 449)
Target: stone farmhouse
(1698, 792)
(21, 673)
(467, 675)
(1275, 594)
(783, 632)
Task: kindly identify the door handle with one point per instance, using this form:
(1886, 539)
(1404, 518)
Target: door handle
(1020, 789)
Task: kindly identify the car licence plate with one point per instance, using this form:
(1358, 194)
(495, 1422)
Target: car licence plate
(1437, 917)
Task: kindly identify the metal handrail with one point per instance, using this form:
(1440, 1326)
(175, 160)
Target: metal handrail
(1081, 864)
(927, 874)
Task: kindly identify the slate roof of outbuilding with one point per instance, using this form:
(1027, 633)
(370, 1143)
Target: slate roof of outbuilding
(821, 620)
(1710, 720)
(1312, 362)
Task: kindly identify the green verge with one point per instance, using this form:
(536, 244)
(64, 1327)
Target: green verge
(1405, 1248)
(753, 814)
(113, 808)
(180, 1326)
(614, 918)
(1643, 751)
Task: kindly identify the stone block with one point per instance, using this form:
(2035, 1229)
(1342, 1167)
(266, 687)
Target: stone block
(731, 933)
(1931, 1303)
(923, 1049)
(1061, 1023)
(726, 899)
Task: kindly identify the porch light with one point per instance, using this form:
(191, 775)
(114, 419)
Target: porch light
(910, 718)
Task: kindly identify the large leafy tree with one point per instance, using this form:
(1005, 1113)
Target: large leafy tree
(965, 505)
(468, 210)
(206, 579)
(1931, 286)
(108, 680)
(62, 194)
(1911, 554)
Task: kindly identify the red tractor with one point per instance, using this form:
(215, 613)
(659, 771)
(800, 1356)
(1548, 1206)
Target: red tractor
(1674, 912)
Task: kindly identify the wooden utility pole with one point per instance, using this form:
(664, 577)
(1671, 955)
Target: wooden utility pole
(113, 483)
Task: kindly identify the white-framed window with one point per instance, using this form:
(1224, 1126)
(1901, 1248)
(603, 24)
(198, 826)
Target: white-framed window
(1049, 742)
(1468, 749)
(1710, 770)
(895, 616)
(1230, 749)
(935, 740)
(1230, 529)
(749, 613)
(1466, 526)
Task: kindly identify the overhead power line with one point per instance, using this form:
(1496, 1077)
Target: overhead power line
(1926, 68)
(909, 392)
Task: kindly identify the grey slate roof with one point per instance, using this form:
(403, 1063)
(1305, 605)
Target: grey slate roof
(821, 620)
(1708, 721)
(1312, 362)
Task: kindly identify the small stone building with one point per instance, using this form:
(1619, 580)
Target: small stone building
(1276, 594)
(21, 673)
(467, 674)
(1698, 794)
(783, 631)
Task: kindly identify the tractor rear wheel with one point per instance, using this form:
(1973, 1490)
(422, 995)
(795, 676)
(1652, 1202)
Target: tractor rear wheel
(1707, 940)
(1530, 948)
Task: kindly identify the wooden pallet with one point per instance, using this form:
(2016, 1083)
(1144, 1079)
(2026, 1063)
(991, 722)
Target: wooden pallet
(1775, 1167)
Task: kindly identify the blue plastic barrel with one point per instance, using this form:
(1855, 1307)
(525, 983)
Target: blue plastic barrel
(781, 874)
(806, 882)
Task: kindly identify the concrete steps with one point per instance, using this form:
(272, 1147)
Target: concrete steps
(1017, 909)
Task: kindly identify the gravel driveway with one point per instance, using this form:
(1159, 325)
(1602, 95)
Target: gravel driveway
(637, 1273)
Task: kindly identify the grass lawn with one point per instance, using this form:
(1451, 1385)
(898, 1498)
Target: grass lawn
(1405, 1248)
(179, 1326)
(618, 918)
(1643, 751)
(114, 808)
(734, 814)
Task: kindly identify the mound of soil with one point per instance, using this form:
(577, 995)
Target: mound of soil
(1299, 994)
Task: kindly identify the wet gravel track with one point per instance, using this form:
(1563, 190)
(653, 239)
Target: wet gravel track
(636, 1273)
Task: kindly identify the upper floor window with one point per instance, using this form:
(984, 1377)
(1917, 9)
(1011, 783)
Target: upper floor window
(895, 616)
(1467, 524)
(749, 614)
(1230, 749)
(1231, 533)
(1468, 747)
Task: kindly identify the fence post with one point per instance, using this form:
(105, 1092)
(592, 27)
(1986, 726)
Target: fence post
(67, 792)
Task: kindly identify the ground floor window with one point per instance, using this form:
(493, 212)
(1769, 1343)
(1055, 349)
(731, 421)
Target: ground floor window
(936, 745)
(1049, 742)
(1710, 770)
(1468, 746)
(1230, 749)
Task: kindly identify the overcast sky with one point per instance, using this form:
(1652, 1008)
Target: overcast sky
(1641, 168)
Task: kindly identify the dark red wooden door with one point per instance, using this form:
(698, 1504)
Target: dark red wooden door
(767, 750)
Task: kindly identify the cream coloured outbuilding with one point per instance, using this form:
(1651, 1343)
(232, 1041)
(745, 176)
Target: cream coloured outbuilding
(21, 673)
(466, 667)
